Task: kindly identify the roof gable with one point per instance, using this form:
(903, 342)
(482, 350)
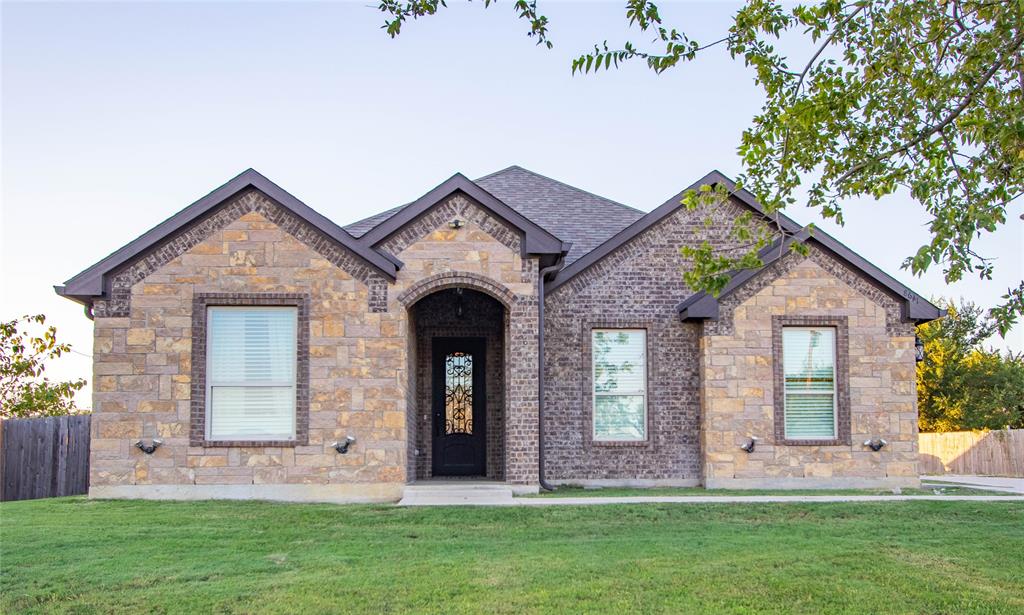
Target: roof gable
(92, 282)
(536, 240)
(915, 308)
(580, 218)
(653, 218)
(703, 305)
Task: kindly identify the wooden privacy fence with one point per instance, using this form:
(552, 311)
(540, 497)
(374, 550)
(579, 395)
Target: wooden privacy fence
(44, 457)
(988, 453)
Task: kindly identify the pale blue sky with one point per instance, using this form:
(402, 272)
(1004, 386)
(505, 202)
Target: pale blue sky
(115, 116)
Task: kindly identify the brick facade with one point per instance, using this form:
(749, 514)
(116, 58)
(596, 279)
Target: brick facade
(839, 324)
(197, 419)
(365, 356)
(484, 255)
(637, 286)
(438, 315)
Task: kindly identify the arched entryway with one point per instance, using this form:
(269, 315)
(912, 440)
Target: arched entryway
(458, 348)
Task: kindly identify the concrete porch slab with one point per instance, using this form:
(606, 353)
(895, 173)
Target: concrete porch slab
(457, 493)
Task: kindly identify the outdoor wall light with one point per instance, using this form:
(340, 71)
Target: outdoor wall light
(149, 448)
(749, 446)
(456, 224)
(875, 444)
(342, 447)
(918, 349)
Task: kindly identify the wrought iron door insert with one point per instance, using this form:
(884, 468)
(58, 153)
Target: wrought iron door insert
(458, 406)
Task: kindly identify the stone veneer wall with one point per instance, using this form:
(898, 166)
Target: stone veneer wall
(143, 366)
(738, 354)
(360, 355)
(637, 286)
(482, 316)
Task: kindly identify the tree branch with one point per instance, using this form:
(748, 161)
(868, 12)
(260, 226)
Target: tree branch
(821, 49)
(949, 119)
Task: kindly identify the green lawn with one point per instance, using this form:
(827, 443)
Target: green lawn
(574, 491)
(80, 556)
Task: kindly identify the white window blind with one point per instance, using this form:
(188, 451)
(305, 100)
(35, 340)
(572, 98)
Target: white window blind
(620, 384)
(250, 377)
(809, 359)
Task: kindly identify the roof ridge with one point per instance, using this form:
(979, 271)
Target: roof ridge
(500, 171)
(561, 183)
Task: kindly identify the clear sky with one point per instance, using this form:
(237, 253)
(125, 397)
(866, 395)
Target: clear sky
(116, 116)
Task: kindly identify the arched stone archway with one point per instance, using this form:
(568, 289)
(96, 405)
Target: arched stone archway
(512, 439)
(473, 325)
(457, 279)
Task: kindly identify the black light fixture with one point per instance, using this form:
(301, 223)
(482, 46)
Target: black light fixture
(150, 448)
(749, 445)
(918, 349)
(875, 444)
(456, 224)
(342, 447)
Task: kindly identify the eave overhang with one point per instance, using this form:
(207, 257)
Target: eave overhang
(914, 307)
(657, 215)
(93, 282)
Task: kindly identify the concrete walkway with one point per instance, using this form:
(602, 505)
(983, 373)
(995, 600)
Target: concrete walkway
(992, 483)
(760, 499)
(491, 493)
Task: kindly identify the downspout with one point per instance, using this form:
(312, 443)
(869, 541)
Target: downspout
(540, 373)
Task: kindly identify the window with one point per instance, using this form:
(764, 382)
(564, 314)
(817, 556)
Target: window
(809, 389)
(251, 373)
(620, 384)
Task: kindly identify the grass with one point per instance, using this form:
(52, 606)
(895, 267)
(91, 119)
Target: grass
(80, 556)
(575, 491)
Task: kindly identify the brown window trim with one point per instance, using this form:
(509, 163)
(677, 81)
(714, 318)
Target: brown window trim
(588, 385)
(197, 424)
(840, 324)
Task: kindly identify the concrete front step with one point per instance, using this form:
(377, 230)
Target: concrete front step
(457, 493)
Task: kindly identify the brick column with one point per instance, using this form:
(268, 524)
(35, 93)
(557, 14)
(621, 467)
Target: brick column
(521, 456)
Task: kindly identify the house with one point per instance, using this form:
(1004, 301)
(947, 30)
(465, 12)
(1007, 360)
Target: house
(512, 328)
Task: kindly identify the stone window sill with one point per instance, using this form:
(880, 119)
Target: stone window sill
(834, 442)
(250, 443)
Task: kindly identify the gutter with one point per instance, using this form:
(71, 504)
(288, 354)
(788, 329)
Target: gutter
(544, 484)
(85, 301)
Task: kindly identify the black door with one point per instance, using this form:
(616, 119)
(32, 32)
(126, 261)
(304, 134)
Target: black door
(459, 394)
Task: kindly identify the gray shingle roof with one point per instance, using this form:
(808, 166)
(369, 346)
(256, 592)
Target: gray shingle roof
(360, 228)
(569, 213)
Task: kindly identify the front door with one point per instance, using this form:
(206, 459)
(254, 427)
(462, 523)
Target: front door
(459, 394)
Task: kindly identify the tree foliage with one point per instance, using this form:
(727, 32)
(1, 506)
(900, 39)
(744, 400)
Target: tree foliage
(24, 390)
(923, 96)
(960, 384)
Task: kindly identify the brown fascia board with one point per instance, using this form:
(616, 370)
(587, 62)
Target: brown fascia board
(657, 215)
(915, 308)
(91, 282)
(536, 240)
(704, 306)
